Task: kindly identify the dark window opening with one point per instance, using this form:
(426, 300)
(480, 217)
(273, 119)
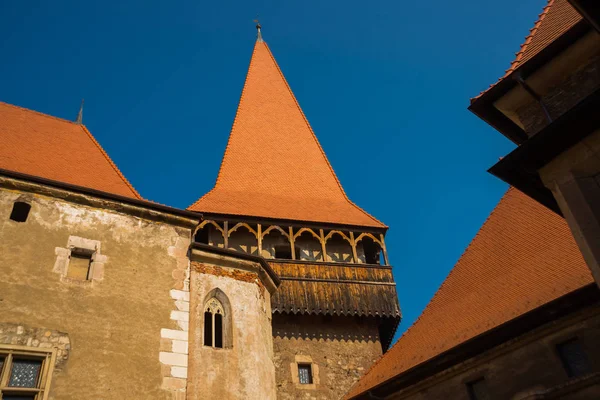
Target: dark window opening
(305, 374)
(573, 358)
(478, 390)
(208, 339)
(373, 253)
(20, 211)
(202, 236)
(283, 252)
(219, 331)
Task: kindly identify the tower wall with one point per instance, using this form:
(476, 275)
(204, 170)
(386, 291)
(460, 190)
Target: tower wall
(339, 349)
(243, 368)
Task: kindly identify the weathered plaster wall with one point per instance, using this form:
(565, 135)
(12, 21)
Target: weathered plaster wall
(244, 371)
(342, 348)
(114, 323)
(527, 367)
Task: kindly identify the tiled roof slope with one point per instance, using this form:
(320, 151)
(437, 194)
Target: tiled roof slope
(273, 165)
(523, 257)
(52, 148)
(557, 18)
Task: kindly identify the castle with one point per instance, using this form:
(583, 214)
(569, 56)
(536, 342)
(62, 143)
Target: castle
(275, 285)
(272, 285)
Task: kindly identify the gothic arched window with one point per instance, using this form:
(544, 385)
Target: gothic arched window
(213, 323)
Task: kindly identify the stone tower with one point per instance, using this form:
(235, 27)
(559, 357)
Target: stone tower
(278, 201)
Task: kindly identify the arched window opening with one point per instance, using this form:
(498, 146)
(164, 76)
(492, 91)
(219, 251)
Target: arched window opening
(243, 240)
(371, 250)
(308, 247)
(213, 323)
(217, 320)
(276, 245)
(209, 234)
(339, 249)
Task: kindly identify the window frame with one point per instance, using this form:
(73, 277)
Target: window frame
(46, 356)
(567, 368)
(208, 309)
(470, 387)
(307, 366)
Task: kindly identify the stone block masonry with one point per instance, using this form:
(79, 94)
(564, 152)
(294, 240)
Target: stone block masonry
(174, 347)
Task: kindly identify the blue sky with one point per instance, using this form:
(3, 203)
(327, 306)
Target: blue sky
(384, 84)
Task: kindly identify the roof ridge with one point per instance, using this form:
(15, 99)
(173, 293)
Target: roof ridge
(314, 136)
(111, 162)
(442, 285)
(532, 31)
(38, 112)
(233, 125)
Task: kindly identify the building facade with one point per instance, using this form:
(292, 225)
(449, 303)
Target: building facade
(272, 285)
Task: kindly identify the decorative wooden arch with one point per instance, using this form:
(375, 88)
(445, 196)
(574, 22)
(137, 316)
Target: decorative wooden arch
(245, 225)
(302, 230)
(359, 238)
(209, 221)
(349, 239)
(379, 241)
(342, 234)
(271, 227)
(318, 237)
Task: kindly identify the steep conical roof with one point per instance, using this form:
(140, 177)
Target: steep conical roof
(273, 165)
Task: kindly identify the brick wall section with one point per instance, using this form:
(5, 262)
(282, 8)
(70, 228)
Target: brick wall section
(343, 349)
(562, 97)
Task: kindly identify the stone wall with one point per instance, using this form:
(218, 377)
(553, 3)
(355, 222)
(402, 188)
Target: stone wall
(527, 367)
(114, 321)
(243, 368)
(340, 349)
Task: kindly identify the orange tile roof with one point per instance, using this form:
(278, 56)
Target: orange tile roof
(273, 165)
(38, 144)
(522, 258)
(557, 17)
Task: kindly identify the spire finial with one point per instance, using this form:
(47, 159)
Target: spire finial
(79, 119)
(258, 35)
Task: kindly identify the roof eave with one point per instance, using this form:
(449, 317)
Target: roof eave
(100, 194)
(483, 105)
(520, 167)
(287, 222)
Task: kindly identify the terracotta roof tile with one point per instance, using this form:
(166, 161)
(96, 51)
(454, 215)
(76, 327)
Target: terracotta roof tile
(557, 17)
(523, 257)
(274, 165)
(38, 144)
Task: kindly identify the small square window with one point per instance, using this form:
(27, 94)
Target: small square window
(305, 374)
(573, 358)
(478, 390)
(79, 264)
